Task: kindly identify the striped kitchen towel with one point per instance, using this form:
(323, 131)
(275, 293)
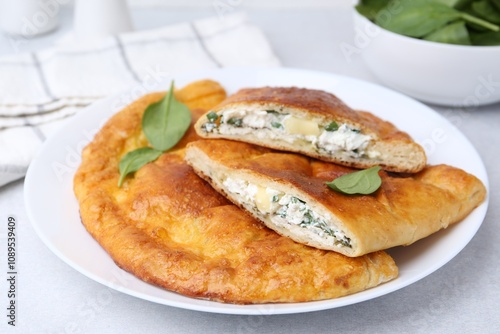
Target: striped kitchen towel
(39, 90)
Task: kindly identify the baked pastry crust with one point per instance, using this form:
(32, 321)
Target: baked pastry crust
(403, 210)
(388, 147)
(170, 228)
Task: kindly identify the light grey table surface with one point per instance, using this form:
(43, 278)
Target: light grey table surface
(461, 297)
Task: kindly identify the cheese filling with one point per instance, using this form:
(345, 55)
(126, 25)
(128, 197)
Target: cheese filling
(270, 124)
(284, 209)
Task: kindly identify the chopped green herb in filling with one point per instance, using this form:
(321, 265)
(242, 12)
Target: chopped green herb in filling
(235, 121)
(333, 126)
(212, 116)
(273, 112)
(332, 138)
(283, 209)
(296, 211)
(277, 125)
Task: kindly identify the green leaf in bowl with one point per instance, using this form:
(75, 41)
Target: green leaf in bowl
(417, 18)
(491, 38)
(486, 10)
(370, 8)
(453, 33)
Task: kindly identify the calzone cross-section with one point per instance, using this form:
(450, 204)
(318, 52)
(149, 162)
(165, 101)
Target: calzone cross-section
(287, 192)
(315, 123)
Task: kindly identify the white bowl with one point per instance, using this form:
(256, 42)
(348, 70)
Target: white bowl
(452, 75)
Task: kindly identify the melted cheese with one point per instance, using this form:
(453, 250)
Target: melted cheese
(263, 199)
(294, 125)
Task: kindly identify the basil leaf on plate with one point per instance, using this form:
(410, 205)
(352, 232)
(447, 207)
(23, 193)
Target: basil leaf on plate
(453, 33)
(363, 182)
(164, 123)
(133, 160)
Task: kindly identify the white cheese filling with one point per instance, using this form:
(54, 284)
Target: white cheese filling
(343, 138)
(284, 209)
(270, 124)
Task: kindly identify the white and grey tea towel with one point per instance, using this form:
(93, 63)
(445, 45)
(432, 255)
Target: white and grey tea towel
(39, 90)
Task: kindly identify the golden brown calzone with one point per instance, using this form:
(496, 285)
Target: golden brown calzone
(288, 193)
(170, 228)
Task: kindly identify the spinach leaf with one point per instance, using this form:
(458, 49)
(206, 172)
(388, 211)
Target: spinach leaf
(480, 22)
(363, 182)
(277, 125)
(212, 116)
(485, 9)
(333, 126)
(453, 33)
(454, 3)
(370, 8)
(133, 160)
(436, 20)
(235, 121)
(418, 18)
(490, 38)
(461, 4)
(496, 3)
(165, 122)
(274, 112)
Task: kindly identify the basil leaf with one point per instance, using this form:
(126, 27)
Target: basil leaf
(133, 160)
(418, 18)
(165, 122)
(454, 33)
(363, 182)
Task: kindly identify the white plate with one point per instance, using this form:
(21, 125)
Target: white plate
(53, 209)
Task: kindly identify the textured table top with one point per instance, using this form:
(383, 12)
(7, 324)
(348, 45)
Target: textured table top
(461, 297)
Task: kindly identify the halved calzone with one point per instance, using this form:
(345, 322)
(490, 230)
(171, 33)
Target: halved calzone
(287, 192)
(314, 123)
